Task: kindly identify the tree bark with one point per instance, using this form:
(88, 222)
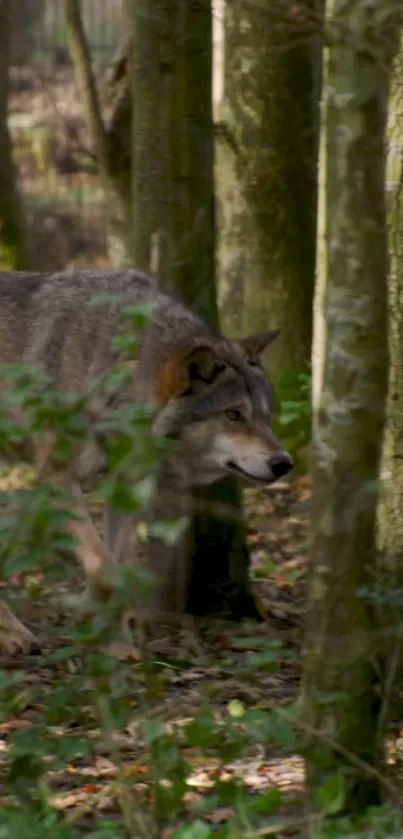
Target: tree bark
(13, 243)
(26, 16)
(343, 734)
(173, 146)
(271, 109)
(174, 236)
(391, 506)
(237, 246)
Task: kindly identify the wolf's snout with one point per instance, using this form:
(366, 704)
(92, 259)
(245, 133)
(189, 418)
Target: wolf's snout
(280, 464)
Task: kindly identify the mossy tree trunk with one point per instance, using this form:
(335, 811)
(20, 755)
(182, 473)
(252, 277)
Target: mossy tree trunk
(13, 243)
(174, 237)
(343, 732)
(391, 506)
(237, 246)
(271, 112)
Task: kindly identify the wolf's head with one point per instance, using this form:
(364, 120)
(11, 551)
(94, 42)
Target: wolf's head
(217, 401)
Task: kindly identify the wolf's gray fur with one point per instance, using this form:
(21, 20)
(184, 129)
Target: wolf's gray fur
(211, 393)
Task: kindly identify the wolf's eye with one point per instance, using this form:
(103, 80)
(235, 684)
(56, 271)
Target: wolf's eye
(234, 415)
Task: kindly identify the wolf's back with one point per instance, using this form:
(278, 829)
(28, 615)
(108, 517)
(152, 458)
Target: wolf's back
(53, 319)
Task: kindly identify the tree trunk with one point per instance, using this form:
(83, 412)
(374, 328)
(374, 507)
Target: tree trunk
(114, 179)
(343, 735)
(26, 16)
(237, 246)
(391, 506)
(271, 111)
(174, 236)
(13, 245)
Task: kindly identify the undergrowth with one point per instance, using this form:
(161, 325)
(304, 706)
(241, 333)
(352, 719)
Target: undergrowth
(82, 707)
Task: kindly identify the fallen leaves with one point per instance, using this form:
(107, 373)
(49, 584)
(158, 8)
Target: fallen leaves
(218, 668)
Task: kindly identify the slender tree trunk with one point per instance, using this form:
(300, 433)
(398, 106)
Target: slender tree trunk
(271, 111)
(174, 237)
(13, 244)
(343, 736)
(236, 246)
(391, 507)
(26, 15)
(115, 181)
(173, 146)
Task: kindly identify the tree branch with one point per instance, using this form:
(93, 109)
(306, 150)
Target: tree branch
(222, 131)
(86, 84)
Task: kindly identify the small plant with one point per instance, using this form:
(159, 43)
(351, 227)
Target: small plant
(295, 413)
(297, 410)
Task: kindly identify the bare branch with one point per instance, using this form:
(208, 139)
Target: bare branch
(86, 84)
(70, 132)
(222, 131)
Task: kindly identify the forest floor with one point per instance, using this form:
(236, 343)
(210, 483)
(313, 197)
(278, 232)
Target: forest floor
(217, 669)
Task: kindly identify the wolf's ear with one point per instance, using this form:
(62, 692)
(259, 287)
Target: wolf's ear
(202, 366)
(254, 346)
(187, 372)
(181, 376)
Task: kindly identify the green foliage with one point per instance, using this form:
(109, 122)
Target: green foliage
(294, 415)
(87, 706)
(331, 795)
(376, 823)
(196, 830)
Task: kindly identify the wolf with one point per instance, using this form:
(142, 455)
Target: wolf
(208, 393)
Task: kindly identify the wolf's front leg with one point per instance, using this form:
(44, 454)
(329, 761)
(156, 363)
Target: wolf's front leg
(14, 636)
(168, 561)
(100, 561)
(99, 565)
(168, 566)
(118, 533)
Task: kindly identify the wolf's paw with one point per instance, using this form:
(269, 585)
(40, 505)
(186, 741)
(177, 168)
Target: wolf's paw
(14, 636)
(123, 651)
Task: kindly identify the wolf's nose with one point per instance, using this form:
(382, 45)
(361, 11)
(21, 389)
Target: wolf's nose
(280, 464)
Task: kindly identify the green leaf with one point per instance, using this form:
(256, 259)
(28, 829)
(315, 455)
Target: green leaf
(202, 730)
(153, 730)
(331, 795)
(126, 343)
(140, 314)
(17, 564)
(270, 727)
(196, 830)
(282, 731)
(123, 498)
(144, 489)
(169, 531)
(25, 766)
(106, 831)
(265, 660)
(236, 709)
(266, 803)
